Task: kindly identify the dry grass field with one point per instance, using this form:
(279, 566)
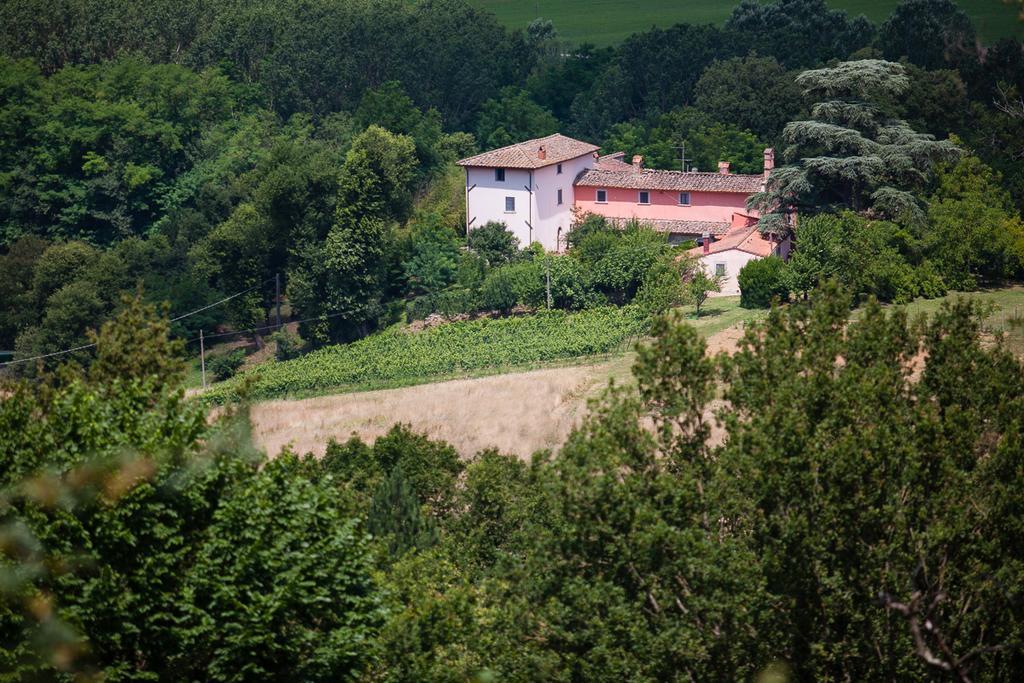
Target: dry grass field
(517, 413)
(522, 412)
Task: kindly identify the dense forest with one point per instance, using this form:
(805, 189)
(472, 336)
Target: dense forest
(165, 166)
(202, 149)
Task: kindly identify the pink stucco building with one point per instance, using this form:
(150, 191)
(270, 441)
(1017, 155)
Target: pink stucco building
(536, 187)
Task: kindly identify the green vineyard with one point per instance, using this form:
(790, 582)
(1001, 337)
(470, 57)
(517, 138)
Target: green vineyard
(396, 357)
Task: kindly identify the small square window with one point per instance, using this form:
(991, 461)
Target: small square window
(559, 169)
(499, 175)
(602, 196)
(510, 204)
(559, 196)
(645, 198)
(684, 199)
(720, 269)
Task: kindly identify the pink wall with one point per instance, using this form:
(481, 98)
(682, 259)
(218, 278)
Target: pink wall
(704, 206)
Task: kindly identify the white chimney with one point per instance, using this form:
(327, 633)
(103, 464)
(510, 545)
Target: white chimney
(638, 162)
(723, 167)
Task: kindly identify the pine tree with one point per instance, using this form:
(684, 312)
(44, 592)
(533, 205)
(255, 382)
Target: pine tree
(853, 152)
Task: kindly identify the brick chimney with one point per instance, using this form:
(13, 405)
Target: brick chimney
(769, 161)
(638, 163)
(542, 153)
(723, 167)
(706, 240)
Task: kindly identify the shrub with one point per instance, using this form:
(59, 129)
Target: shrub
(225, 366)
(498, 292)
(494, 243)
(929, 281)
(288, 345)
(449, 303)
(527, 282)
(662, 286)
(762, 280)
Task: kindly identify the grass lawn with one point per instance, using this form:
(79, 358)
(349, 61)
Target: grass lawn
(605, 22)
(719, 314)
(1006, 315)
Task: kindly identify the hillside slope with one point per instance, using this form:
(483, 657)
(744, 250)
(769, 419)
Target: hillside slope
(604, 22)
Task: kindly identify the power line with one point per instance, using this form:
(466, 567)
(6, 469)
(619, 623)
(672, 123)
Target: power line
(218, 303)
(180, 317)
(269, 327)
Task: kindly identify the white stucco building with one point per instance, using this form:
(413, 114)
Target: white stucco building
(528, 187)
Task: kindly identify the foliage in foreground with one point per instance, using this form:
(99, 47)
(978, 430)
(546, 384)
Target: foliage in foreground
(860, 522)
(140, 544)
(399, 356)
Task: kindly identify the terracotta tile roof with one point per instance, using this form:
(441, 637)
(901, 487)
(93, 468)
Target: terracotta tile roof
(676, 181)
(557, 147)
(748, 239)
(612, 162)
(671, 227)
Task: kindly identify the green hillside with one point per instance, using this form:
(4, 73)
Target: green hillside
(603, 22)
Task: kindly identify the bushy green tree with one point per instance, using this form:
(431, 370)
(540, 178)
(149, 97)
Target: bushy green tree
(338, 283)
(620, 271)
(513, 117)
(498, 291)
(17, 307)
(434, 261)
(707, 142)
(235, 257)
(395, 517)
(752, 93)
(699, 288)
(99, 144)
(799, 33)
(832, 531)
(974, 233)
(376, 178)
(761, 281)
(281, 587)
(494, 243)
(930, 33)
(233, 567)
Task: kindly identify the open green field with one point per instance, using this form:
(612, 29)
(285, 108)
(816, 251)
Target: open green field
(604, 22)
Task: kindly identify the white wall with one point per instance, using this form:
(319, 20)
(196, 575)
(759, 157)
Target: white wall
(486, 201)
(734, 260)
(548, 214)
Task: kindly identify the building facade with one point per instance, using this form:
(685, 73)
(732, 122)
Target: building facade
(535, 187)
(528, 187)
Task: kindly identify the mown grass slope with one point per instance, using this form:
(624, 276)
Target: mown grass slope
(604, 22)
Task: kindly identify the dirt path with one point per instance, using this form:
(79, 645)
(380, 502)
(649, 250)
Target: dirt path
(517, 413)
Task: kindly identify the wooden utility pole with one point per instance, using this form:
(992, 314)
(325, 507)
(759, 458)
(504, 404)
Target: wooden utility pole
(547, 268)
(277, 297)
(202, 356)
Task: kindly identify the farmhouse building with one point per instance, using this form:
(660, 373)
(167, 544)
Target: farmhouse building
(740, 245)
(534, 187)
